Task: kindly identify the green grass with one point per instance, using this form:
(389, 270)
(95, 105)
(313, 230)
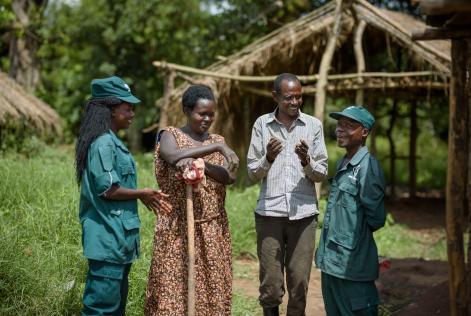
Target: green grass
(42, 270)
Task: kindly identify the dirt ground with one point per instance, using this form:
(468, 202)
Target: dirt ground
(411, 287)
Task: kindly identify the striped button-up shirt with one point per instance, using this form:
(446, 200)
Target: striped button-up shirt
(287, 188)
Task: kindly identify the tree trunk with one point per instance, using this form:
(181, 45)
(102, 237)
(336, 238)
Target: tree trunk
(392, 149)
(413, 150)
(169, 82)
(24, 44)
(456, 180)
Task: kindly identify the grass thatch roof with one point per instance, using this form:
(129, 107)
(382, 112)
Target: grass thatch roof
(17, 104)
(297, 48)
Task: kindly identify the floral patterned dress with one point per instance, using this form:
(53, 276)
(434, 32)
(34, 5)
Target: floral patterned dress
(167, 288)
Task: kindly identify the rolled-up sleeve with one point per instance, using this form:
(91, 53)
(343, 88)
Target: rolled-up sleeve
(316, 170)
(101, 167)
(257, 163)
(372, 195)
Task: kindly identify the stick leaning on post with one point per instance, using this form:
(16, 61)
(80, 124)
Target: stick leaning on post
(193, 177)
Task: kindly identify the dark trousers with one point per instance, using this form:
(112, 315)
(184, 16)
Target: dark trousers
(106, 288)
(284, 245)
(349, 298)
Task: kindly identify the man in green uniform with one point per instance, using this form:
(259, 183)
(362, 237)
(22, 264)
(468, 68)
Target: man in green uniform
(106, 172)
(347, 253)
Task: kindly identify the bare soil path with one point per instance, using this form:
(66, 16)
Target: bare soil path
(411, 287)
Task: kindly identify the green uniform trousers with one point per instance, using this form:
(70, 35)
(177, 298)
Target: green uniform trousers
(284, 244)
(348, 298)
(106, 288)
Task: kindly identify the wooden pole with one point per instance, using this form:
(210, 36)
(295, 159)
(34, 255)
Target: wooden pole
(303, 78)
(413, 150)
(319, 103)
(372, 136)
(468, 181)
(325, 63)
(191, 250)
(360, 59)
(456, 179)
(392, 149)
(169, 83)
(442, 7)
(435, 33)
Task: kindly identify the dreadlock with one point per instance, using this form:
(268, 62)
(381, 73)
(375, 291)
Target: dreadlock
(96, 120)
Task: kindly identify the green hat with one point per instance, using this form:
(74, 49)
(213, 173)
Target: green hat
(113, 87)
(357, 113)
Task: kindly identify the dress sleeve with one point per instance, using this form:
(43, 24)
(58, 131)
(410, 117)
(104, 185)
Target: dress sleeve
(102, 168)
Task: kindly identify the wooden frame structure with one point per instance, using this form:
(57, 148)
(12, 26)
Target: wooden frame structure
(327, 50)
(311, 46)
(449, 19)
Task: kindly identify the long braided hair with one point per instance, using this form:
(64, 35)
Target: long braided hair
(96, 120)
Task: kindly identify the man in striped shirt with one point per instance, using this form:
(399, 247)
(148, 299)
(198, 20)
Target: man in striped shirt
(287, 154)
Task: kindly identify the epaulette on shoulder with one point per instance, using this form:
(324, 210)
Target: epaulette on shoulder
(104, 139)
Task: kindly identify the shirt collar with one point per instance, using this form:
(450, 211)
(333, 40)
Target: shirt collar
(358, 156)
(117, 141)
(272, 117)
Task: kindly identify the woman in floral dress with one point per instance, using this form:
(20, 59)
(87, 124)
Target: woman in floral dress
(176, 148)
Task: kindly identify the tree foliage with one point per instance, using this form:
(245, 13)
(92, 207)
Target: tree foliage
(85, 39)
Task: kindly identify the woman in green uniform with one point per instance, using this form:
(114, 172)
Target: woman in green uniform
(106, 173)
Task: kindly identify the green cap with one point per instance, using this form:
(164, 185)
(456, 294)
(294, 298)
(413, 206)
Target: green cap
(357, 113)
(113, 87)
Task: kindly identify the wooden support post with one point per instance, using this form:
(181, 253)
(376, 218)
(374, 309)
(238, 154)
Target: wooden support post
(319, 104)
(325, 63)
(468, 181)
(456, 180)
(169, 82)
(372, 138)
(392, 150)
(413, 150)
(360, 59)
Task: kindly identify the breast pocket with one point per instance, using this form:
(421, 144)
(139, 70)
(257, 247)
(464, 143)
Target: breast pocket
(126, 169)
(348, 192)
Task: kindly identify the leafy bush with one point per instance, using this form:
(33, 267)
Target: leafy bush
(18, 136)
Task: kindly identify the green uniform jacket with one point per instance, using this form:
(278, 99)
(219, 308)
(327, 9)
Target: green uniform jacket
(110, 228)
(355, 209)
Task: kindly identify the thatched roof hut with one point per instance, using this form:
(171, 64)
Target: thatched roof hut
(17, 104)
(242, 82)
